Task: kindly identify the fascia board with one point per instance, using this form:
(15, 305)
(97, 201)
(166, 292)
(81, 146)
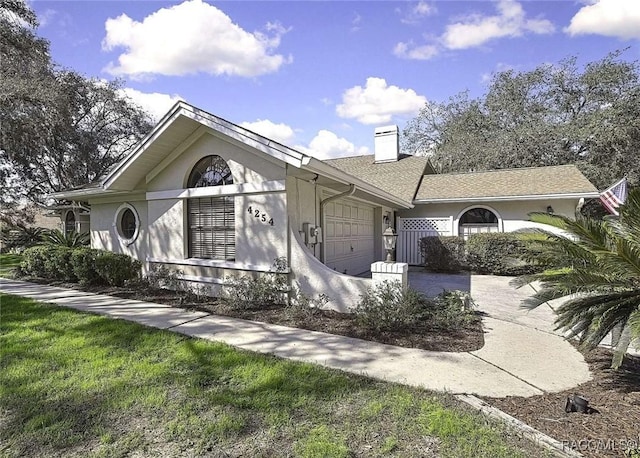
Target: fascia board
(586, 195)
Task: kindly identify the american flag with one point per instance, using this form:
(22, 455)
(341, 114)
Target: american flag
(614, 196)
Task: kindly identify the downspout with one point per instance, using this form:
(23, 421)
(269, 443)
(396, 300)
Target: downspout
(323, 203)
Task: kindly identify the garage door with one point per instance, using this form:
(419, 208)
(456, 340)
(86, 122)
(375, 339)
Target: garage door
(348, 236)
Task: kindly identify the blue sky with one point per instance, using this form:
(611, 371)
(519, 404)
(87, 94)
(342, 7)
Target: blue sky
(321, 75)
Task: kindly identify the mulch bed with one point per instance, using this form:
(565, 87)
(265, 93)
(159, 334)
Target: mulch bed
(612, 429)
(425, 337)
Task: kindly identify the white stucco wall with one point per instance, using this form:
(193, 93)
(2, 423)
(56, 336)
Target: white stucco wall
(513, 215)
(246, 167)
(104, 233)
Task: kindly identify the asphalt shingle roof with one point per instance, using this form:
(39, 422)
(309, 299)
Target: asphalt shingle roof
(532, 181)
(399, 178)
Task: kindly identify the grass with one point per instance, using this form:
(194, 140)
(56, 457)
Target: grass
(8, 262)
(76, 384)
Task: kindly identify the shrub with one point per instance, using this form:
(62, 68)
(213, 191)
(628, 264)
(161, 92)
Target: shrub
(83, 262)
(58, 264)
(20, 236)
(116, 268)
(71, 239)
(303, 307)
(451, 309)
(497, 253)
(390, 307)
(33, 261)
(443, 254)
(245, 292)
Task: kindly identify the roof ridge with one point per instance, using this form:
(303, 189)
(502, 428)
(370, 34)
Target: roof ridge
(511, 169)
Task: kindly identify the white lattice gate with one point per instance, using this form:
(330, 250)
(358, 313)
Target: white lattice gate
(411, 230)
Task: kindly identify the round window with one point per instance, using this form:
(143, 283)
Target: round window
(127, 224)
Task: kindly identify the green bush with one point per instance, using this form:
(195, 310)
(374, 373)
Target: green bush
(71, 239)
(33, 261)
(58, 264)
(116, 268)
(497, 253)
(443, 254)
(451, 310)
(270, 288)
(83, 263)
(390, 307)
(20, 236)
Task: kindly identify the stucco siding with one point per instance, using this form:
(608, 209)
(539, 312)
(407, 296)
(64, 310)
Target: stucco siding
(513, 215)
(246, 167)
(104, 232)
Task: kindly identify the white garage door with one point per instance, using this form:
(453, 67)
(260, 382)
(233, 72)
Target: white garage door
(348, 236)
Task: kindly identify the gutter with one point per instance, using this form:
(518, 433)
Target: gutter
(323, 203)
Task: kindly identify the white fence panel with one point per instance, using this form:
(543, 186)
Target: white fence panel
(411, 230)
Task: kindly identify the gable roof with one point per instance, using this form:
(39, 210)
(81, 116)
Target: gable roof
(400, 178)
(181, 127)
(562, 181)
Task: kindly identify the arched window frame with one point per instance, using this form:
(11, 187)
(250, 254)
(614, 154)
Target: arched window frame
(69, 222)
(211, 219)
(456, 228)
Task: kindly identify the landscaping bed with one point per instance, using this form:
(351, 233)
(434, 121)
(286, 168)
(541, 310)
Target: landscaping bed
(613, 429)
(425, 336)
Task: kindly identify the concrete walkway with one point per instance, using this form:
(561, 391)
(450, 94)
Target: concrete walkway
(521, 357)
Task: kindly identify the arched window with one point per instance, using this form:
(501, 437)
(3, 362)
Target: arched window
(477, 220)
(69, 222)
(211, 220)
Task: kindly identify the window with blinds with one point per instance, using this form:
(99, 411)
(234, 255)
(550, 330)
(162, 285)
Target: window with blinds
(211, 220)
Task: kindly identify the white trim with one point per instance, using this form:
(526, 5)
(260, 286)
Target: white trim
(215, 264)
(504, 198)
(224, 190)
(456, 222)
(190, 140)
(118, 226)
(200, 279)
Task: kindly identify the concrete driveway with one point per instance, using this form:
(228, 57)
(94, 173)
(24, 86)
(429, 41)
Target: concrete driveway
(519, 341)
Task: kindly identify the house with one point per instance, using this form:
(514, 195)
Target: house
(212, 200)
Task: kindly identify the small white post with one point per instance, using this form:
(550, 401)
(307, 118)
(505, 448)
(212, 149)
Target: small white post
(389, 271)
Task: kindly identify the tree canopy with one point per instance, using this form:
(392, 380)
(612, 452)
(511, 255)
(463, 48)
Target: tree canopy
(58, 129)
(552, 115)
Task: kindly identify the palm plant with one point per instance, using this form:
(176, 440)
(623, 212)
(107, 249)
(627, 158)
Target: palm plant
(71, 239)
(596, 263)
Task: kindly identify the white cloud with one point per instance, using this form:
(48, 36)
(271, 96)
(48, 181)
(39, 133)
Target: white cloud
(281, 133)
(326, 145)
(377, 103)
(410, 51)
(612, 18)
(156, 104)
(190, 38)
(510, 21)
(416, 12)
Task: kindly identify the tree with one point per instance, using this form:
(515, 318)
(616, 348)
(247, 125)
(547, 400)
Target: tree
(597, 264)
(58, 129)
(552, 115)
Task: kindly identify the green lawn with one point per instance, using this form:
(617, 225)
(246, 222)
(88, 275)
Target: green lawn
(8, 262)
(76, 384)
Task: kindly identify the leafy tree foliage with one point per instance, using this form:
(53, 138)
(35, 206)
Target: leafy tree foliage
(597, 264)
(552, 115)
(58, 129)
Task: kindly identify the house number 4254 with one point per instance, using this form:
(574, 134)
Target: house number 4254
(263, 217)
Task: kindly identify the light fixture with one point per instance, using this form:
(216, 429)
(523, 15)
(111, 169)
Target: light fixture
(386, 220)
(550, 210)
(389, 237)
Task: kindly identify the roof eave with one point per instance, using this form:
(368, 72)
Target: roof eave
(576, 195)
(317, 166)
